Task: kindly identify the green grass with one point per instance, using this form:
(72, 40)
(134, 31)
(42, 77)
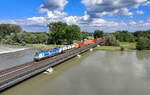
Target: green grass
(111, 48)
(126, 45)
(41, 46)
(75, 41)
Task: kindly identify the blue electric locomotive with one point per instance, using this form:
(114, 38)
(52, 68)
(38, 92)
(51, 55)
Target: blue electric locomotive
(48, 53)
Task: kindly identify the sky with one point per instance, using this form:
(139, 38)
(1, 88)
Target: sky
(89, 15)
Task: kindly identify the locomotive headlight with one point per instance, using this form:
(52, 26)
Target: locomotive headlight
(41, 55)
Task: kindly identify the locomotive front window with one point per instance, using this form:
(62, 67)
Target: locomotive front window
(36, 54)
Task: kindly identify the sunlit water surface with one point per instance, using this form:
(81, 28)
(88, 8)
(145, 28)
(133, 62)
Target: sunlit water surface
(95, 73)
(16, 58)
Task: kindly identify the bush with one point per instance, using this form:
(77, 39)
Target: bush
(124, 36)
(111, 41)
(98, 34)
(122, 48)
(143, 44)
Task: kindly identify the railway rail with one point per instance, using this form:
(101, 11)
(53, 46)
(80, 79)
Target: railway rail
(14, 75)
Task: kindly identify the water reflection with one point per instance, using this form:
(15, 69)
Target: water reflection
(141, 55)
(101, 73)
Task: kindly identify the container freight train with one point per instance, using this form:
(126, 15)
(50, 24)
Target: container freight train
(49, 53)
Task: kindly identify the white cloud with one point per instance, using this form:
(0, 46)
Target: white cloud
(52, 16)
(102, 23)
(56, 14)
(86, 16)
(53, 5)
(36, 24)
(98, 8)
(139, 23)
(147, 3)
(92, 19)
(139, 12)
(123, 11)
(132, 23)
(8, 21)
(72, 20)
(148, 19)
(36, 20)
(91, 2)
(122, 23)
(145, 24)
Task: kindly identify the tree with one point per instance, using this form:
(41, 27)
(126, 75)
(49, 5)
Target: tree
(61, 33)
(98, 34)
(124, 36)
(72, 33)
(8, 40)
(41, 37)
(7, 29)
(0, 39)
(111, 41)
(87, 35)
(8, 33)
(143, 44)
(57, 32)
(31, 38)
(144, 34)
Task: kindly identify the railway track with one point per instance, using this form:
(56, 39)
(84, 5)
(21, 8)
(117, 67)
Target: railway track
(17, 74)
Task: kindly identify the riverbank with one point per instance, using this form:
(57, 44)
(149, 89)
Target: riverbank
(124, 46)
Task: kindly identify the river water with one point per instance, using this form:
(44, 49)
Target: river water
(95, 73)
(9, 60)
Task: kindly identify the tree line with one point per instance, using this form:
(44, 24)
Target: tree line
(62, 33)
(59, 33)
(14, 35)
(142, 38)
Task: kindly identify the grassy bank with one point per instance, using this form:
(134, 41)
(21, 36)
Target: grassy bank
(41, 46)
(125, 45)
(112, 48)
(128, 45)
